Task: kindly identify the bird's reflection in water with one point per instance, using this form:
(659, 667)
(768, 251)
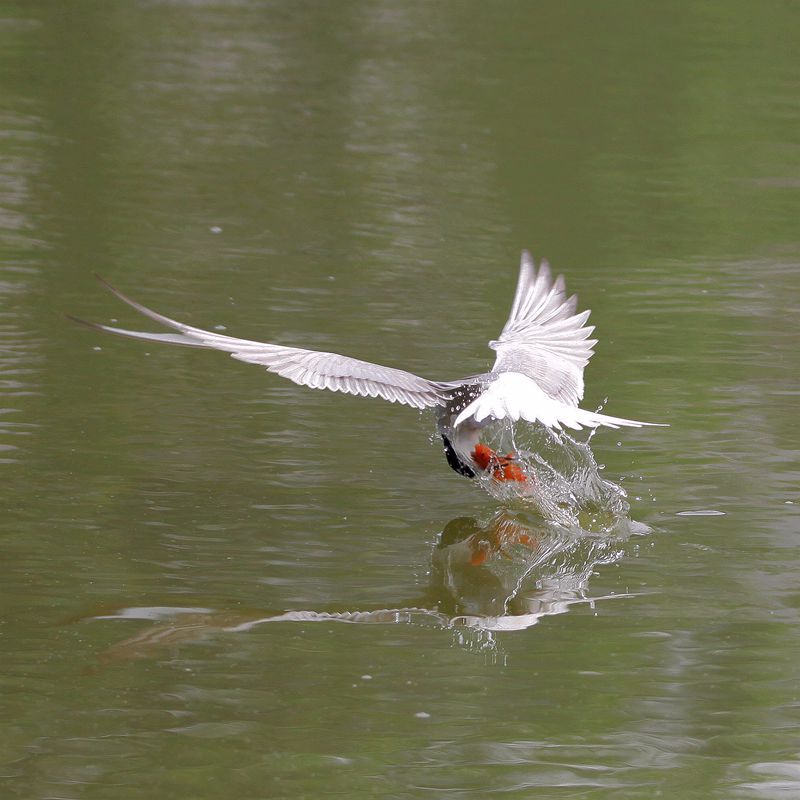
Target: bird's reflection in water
(508, 574)
(503, 575)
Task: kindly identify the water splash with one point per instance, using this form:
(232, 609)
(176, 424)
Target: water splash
(563, 483)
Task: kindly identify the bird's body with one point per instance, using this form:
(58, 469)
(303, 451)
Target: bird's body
(537, 375)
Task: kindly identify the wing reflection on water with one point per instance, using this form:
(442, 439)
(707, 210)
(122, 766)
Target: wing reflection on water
(500, 576)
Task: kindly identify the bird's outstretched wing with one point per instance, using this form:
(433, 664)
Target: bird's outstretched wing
(544, 338)
(312, 368)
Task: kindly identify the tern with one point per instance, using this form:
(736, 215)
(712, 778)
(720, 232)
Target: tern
(537, 375)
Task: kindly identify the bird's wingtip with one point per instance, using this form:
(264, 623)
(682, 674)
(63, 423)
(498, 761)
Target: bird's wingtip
(73, 318)
(526, 259)
(85, 323)
(113, 289)
(100, 279)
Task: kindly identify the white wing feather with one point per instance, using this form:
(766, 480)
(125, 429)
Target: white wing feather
(544, 338)
(313, 368)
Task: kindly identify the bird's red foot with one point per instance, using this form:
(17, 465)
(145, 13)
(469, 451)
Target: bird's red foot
(502, 468)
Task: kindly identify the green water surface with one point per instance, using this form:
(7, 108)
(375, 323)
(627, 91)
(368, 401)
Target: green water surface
(217, 584)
